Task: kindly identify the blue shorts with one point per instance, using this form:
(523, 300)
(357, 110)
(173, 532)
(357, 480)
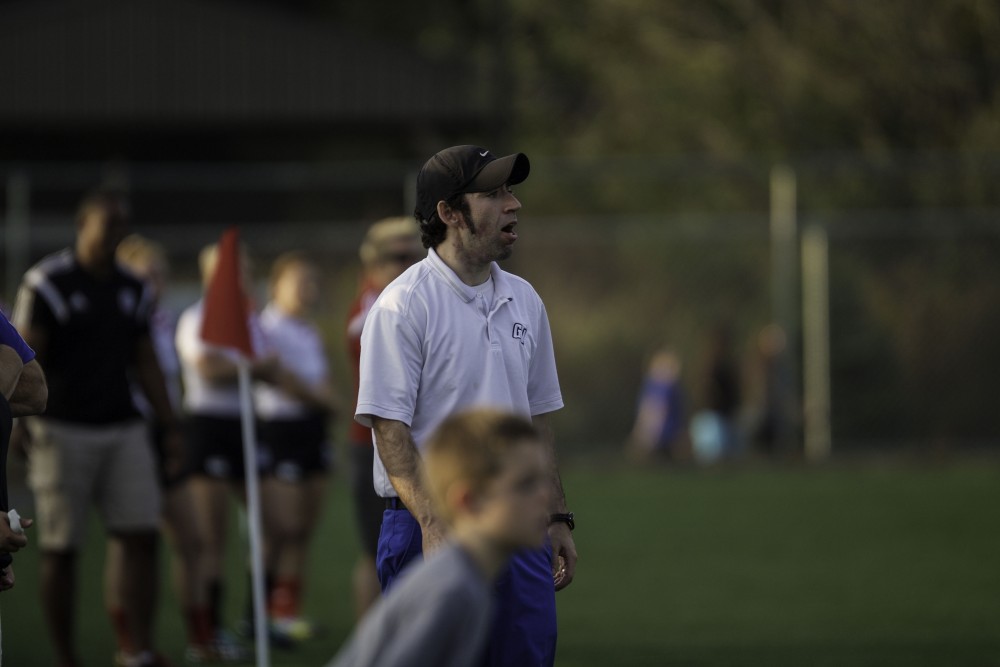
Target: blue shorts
(524, 623)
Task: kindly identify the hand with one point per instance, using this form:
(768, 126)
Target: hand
(10, 541)
(7, 578)
(563, 555)
(266, 369)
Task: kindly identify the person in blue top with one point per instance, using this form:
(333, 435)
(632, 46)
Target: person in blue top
(486, 472)
(22, 392)
(659, 423)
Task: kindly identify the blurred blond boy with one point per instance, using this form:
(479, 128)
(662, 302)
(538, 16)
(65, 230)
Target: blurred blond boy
(487, 474)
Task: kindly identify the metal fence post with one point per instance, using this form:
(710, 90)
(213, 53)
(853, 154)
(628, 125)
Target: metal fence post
(784, 232)
(816, 342)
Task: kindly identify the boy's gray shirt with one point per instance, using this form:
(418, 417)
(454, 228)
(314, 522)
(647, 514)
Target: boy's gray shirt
(438, 614)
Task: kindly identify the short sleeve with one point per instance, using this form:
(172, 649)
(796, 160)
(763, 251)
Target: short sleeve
(544, 394)
(191, 346)
(11, 338)
(187, 339)
(390, 368)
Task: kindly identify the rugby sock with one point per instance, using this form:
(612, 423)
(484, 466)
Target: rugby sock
(198, 621)
(215, 605)
(268, 591)
(119, 622)
(285, 598)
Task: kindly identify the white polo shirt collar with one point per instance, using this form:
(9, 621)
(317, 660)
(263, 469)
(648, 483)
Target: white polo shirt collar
(466, 292)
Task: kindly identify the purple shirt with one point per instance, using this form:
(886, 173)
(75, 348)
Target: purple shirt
(10, 338)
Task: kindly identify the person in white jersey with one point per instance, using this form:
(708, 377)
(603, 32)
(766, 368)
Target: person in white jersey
(214, 442)
(455, 331)
(293, 439)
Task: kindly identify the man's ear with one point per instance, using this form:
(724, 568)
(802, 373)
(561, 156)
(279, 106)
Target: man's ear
(448, 215)
(461, 499)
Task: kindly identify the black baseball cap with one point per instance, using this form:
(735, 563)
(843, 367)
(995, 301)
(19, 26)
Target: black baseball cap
(462, 169)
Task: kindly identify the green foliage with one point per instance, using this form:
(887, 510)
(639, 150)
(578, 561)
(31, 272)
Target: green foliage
(653, 128)
(737, 77)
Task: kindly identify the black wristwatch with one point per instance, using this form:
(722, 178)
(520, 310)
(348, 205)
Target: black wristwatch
(566, 518)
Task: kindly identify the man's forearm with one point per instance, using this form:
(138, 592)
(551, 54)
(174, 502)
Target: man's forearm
(315, 396)
(548, 436)
(153, 384)
(31, 395)
(402, 463)
(10, 370)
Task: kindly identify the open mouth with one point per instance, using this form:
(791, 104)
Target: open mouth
(508, 231)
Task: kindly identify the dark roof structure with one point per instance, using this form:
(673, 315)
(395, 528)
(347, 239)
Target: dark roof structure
(224, 110)
(193, 62)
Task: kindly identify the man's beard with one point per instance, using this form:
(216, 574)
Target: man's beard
(496, 251)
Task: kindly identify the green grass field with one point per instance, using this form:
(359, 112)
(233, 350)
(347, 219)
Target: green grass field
(877, 565)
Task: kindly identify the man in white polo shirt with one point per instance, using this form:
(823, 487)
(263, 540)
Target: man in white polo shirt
(452, 332)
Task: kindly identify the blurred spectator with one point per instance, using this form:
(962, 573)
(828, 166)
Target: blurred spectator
(772, 426)
(148, 260)
(659, 425)
(714, 429)
(88, 321)
(390, 247)
(215, 454)
(486, 472)
(294, 442)
(22, 392)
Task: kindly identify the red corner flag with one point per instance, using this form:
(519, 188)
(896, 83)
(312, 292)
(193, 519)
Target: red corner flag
(225, 314)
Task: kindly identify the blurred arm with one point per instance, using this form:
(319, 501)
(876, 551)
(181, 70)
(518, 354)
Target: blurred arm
(153, 384)
(31, 394)
(10, 369)
(319, 396)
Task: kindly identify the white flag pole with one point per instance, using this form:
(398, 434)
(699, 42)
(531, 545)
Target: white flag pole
(253, 515)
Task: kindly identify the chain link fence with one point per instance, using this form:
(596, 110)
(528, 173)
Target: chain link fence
(632, 255)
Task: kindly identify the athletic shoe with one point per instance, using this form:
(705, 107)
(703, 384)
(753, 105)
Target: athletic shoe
(199, 654)
(296, 629)
(277, 639)
(229, 649)
(144, 659)
(224, 650)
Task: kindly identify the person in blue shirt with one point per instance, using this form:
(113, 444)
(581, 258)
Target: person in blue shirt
(659, 423)
(22, 392)
(487, 473)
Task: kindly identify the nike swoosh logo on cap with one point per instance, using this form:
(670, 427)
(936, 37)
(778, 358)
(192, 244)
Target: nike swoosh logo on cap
(484, 154)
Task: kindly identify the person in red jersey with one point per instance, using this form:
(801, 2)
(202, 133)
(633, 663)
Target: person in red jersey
(390, 247)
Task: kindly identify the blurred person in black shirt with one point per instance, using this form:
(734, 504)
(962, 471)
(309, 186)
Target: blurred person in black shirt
(88, 321)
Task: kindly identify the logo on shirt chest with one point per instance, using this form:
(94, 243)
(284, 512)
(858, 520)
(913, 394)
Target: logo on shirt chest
(126, 301)
(520, 332)
(78, 302)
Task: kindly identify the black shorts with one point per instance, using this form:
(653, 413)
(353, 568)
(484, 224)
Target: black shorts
(215, 447)
(368, 505)
(293, 449)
